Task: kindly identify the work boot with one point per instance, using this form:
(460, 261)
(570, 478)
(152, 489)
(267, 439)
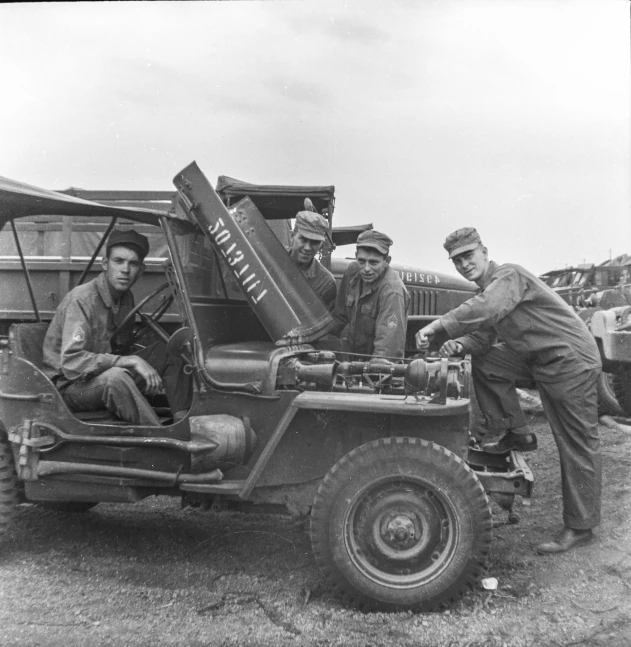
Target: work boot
(511, 441)
(567, 538)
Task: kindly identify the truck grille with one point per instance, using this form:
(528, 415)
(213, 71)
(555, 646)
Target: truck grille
(423, 302)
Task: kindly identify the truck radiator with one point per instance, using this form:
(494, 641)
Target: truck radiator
(423, 302)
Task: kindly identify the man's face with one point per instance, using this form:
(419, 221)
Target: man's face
(372, 264)
(122, 268)
(472, 264)
(303, 250)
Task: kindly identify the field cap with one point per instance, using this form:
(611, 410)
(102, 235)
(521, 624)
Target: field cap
(372, 238)
(311, 225)
(462, 240)
(129, 238)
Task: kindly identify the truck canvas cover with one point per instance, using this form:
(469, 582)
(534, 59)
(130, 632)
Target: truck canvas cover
(276, 201)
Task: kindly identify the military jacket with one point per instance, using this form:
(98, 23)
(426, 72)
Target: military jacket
(322, 282)
(78, 343)
(517, 308)
(372, 318)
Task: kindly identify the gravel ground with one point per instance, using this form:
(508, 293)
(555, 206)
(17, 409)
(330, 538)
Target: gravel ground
(155, 574)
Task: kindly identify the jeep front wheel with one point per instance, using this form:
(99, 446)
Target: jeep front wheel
(8, 486)
(401, 523)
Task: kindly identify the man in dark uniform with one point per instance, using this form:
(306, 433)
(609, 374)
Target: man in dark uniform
(306, 240)
(520, 333)
(78, 353)
(372, 301)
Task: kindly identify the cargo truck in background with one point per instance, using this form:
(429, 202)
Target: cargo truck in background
(601, 296)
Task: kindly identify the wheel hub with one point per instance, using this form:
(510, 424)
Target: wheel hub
(400, 528)
(399, 531)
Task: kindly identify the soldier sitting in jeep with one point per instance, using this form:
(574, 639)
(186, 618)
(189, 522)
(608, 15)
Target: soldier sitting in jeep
(91, 321)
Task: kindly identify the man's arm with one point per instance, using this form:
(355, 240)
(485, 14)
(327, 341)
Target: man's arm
(474, 343)
(500, 297)
(471, 322)
(138, 366)
(79, 361)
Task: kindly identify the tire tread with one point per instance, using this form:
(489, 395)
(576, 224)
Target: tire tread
(8, 486)
(446, 461)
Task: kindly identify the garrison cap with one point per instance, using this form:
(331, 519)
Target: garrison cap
(311, 225)
(372, 238)
(462, 240)
(129, 238)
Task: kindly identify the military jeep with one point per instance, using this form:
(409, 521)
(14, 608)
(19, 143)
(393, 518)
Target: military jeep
(379, 458)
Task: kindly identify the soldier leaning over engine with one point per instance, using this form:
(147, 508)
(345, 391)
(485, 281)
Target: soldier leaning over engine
(372, 301)
(520, 333)
(306, 241)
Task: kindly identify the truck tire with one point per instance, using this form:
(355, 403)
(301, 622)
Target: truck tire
(622, 389)
(8, 486)
(401, 524)
(607, 401)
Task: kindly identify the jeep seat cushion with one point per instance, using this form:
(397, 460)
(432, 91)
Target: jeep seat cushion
(29, 341)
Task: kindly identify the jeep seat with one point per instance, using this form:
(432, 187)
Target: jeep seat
(28, 339)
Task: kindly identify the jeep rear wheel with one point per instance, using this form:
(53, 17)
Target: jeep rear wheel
(401, 523)
(8, 486)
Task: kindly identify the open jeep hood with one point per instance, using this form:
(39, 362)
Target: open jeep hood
(275, 288)
(18, 199)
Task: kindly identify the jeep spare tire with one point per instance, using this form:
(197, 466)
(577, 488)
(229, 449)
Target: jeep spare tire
(8, 486)
(401, 524)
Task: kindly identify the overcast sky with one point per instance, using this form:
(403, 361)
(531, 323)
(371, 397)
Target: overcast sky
(510, 115)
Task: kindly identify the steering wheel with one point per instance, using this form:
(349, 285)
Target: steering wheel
(148, 322)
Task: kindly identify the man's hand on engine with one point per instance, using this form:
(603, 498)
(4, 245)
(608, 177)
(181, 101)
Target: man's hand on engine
(424, 337)
(450, 348)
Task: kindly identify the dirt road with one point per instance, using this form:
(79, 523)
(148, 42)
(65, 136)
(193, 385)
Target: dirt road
(154, 574)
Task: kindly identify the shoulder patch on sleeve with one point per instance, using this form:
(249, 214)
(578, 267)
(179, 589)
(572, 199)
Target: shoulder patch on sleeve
(78, 334)
(392, 321)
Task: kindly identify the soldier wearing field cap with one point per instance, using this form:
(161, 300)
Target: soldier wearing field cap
(94, 370)
(307, 238)
(520, 333)
(372, 301)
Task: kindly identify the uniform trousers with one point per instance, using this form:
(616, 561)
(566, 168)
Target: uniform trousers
(118, 391)
(571, 406)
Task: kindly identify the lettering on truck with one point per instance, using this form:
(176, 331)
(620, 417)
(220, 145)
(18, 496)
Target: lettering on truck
(416, 277)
